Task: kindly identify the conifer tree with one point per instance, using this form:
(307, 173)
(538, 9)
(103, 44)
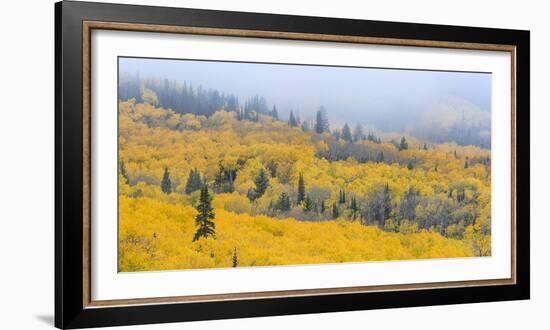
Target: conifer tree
(194, 181)
(308, 204)
(123, 172)
(410, 165)
(342, 199)
(387, 202)
(251, 194)
(358, 133)
(466, 165)
(354, 207)
(166, 184)
(381, 157)
(403, 145)
(272, 167)
(205, 218)
(322, 206)
(274, 113)
(425, 146)
(373, 138)
(346, 133)
(407, 206)
(321, 121)
(235, 258)
(301, 190)
(219, 179)
(283, 204)
(335, 211)
(262, 182)
(292, 122)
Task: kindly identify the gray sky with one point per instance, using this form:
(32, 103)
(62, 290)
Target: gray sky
(386, 98)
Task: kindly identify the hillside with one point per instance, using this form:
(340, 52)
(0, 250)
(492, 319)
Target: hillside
(288, 195)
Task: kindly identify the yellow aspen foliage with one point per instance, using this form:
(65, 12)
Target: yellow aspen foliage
(440, 197)
(158, 236)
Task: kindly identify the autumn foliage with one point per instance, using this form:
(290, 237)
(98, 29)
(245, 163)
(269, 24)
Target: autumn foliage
(275, 190)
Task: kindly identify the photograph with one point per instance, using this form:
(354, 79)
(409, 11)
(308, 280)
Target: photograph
(240, 164)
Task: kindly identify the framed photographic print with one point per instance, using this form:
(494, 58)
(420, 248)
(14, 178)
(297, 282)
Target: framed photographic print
(214, 164)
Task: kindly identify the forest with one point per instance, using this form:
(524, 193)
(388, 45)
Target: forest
(206, 180)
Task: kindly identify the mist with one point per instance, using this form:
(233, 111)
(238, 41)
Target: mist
(388, 99)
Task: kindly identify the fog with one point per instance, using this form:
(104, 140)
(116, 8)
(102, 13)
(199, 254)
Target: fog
(388, 99)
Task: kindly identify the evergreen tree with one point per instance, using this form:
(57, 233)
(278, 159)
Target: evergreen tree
(224, 181)
(251, 194)
(407, 206)
(308, 204)
(322, 206)
(346, 133)
(410, 165)
(335, 211)
(358, 133)
(219, 179)
(261, 182)
(301, 190)
(292, 122)
(373, 138)
(235, 258)
(403, 145)
(166, 184)
(466, 163)
(425, 146)
(354, 207)
(342, 198)
(274, 113)
(283, 204)
(321, 121)
(381, 157)
(387, 203)
(205, 218)
(123, 172)
(272, 167)
(194, 181)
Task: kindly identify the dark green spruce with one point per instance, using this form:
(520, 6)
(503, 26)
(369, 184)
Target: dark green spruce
(194, 181)
(166, 184)
(301, 190)
(205, 218)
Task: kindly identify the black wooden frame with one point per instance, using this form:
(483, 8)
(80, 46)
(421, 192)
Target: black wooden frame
(69, 308)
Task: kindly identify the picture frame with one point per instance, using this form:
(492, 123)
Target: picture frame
(74, 96)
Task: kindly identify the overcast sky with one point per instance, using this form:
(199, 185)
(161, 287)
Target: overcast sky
(383, 97)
